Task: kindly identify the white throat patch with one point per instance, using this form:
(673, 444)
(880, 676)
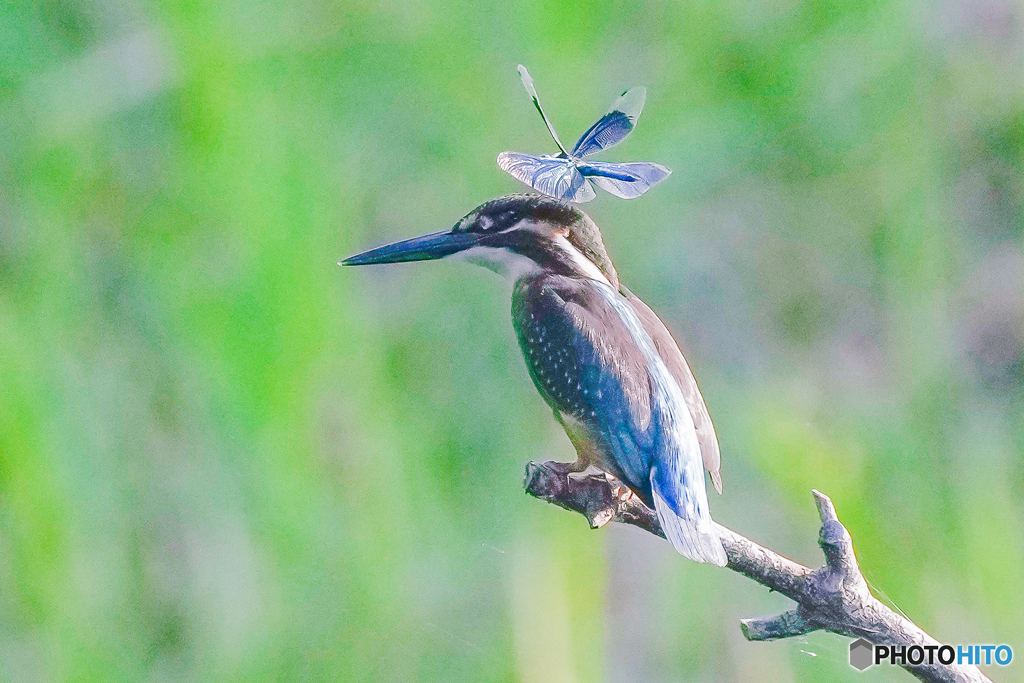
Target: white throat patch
(502, 261)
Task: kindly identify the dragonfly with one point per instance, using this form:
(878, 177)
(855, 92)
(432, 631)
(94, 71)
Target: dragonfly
(570, 176)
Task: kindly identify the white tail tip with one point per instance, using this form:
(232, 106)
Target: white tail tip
(699, 543)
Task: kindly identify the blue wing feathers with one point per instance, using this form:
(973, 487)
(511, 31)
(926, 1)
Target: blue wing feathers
(694, 538)
(677, 486)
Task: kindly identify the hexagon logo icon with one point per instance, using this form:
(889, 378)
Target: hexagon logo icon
(861, 654)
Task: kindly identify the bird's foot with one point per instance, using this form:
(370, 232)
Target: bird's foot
(622, 498)
(601, 517)
(559, 480)
(601, 511)
(620, 491)
(593, 495)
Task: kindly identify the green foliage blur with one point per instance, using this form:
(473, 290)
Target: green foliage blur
(224, 458)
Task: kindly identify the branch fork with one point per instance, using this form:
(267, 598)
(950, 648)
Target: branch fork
(834, 597)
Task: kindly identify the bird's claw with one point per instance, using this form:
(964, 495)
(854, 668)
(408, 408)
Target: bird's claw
(621, 493)
(601, 517)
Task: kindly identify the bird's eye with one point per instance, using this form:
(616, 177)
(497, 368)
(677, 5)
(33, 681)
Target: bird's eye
(484, 222)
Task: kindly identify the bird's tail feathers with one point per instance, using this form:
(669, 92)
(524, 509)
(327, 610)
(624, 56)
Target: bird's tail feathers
(695, 539)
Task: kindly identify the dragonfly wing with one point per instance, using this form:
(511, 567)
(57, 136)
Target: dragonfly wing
(624, 180)
(528, 84)
(554, 176)
(613, 127)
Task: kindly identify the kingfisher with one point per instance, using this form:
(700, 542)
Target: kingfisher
(601, 359)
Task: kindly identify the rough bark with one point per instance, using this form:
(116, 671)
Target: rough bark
(834, 597)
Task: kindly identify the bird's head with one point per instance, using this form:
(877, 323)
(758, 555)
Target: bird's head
(515, 236)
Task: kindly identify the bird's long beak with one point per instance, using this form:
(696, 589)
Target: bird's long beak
(434, 246)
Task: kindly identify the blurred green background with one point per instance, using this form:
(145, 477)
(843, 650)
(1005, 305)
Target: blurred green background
(223, 458)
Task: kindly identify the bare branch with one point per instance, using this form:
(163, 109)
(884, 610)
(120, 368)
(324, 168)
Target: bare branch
(834, 597)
